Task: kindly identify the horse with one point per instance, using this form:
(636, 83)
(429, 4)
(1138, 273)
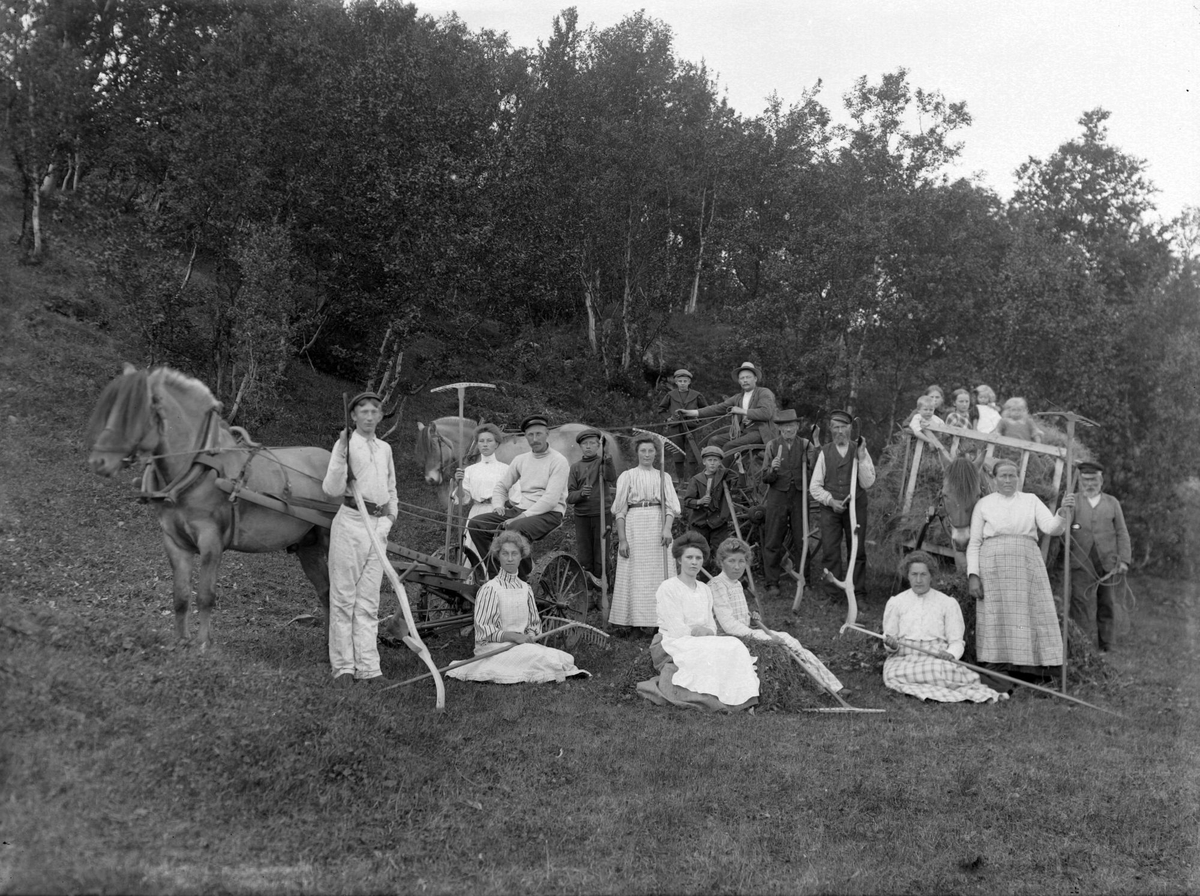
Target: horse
(962, 487)
(439, 447)
(175, 420)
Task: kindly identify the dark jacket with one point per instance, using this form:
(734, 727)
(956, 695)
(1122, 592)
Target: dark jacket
(759, 415)
(673, 401)
(1102, 527)
(793, 472)
(716, 514)
(587, 472)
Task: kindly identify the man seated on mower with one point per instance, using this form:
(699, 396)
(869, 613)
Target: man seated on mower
(542, 475)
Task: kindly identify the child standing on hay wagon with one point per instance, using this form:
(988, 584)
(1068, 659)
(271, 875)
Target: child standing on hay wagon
(926, 405)
(1016, 423)
(355, 570)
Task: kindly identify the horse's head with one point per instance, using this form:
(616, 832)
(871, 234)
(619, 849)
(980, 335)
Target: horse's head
(122, 423)
(435, 454)
(961, 489)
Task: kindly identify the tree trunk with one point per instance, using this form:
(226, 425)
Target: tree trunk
(855, 376)
(694, 299)
(589, 304)
(626, 296)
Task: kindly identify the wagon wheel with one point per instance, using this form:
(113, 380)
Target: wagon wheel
(746, 485)
(560, 588)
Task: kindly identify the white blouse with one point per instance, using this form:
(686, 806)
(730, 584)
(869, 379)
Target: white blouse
(637, 485)
(680, 608)
(932, 616)
(1018, 514)
(479, 481)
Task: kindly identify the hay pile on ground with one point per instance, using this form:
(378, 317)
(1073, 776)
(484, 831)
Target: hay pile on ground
(783, 685)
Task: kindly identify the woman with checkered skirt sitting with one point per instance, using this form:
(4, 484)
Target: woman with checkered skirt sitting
(1015, 622)
(928, 619)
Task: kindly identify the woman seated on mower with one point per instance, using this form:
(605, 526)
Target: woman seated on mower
(923, 617)
(696, 666)
(506, 613)
(733, 615)
(473, 485)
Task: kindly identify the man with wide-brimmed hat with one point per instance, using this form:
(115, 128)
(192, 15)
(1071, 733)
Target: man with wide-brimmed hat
(355, 570)
(830, 486)
(1099, 546)
(542, 475)
(705, 498)
(682, 398)
(752, 411)
(786, 463)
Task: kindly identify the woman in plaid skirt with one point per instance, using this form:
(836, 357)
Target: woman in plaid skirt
(1015, 620)
(929, 619)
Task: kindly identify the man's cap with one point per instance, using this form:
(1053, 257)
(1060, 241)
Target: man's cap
(747, 365)
(786, 416)
(589, 434)
(534, 420)
(712, 451)
(682, 371)
(841, 417)
(365, 396)
(1089, 466)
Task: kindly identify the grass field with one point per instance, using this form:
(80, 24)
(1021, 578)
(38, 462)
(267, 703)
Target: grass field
(131, 765)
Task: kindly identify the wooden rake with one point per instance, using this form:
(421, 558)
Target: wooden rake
(555, 626)
(981, 671)
(462, 393)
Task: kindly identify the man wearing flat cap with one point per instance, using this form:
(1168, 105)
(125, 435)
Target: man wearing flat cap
(785, 470)
(355, 570)
(1099, 546)
(705, 498)
(542, 474)
(583, 494)
(830, 486)
(752, 410)
(682, 398)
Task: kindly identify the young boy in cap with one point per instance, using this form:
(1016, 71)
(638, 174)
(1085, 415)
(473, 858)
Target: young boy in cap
(1099, 545)
(682, 398)
(705, 498)
(542, 474)
(583, 494)
(355, 570)
(786, 464)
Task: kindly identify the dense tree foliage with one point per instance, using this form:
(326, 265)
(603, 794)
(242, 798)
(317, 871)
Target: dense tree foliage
(327, 172)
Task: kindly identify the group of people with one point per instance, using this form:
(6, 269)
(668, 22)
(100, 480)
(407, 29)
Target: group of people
(657, 584)
(975, 410)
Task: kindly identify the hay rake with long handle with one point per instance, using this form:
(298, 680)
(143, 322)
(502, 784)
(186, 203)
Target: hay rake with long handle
(462, 392)
(844, 707)
(981, 671)
(589, 634)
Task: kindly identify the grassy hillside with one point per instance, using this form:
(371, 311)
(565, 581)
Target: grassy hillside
(130, 764)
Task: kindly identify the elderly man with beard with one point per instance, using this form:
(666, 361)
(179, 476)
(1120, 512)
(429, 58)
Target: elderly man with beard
(1099, 546)
(830, 486)
(542, 475)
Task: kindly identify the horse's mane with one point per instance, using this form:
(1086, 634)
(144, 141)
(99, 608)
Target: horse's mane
(962, 478)
(191, 385)
(127, 397)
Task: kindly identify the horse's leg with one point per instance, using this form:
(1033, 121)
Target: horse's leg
(313, 554)
(210, 544)
(181, 558)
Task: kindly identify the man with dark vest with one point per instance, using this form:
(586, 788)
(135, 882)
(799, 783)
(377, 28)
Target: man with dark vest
(1099, 546)
(752, 410)
(785, 470)
(830, 486)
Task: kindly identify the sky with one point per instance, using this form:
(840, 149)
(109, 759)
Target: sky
(1027, 69)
